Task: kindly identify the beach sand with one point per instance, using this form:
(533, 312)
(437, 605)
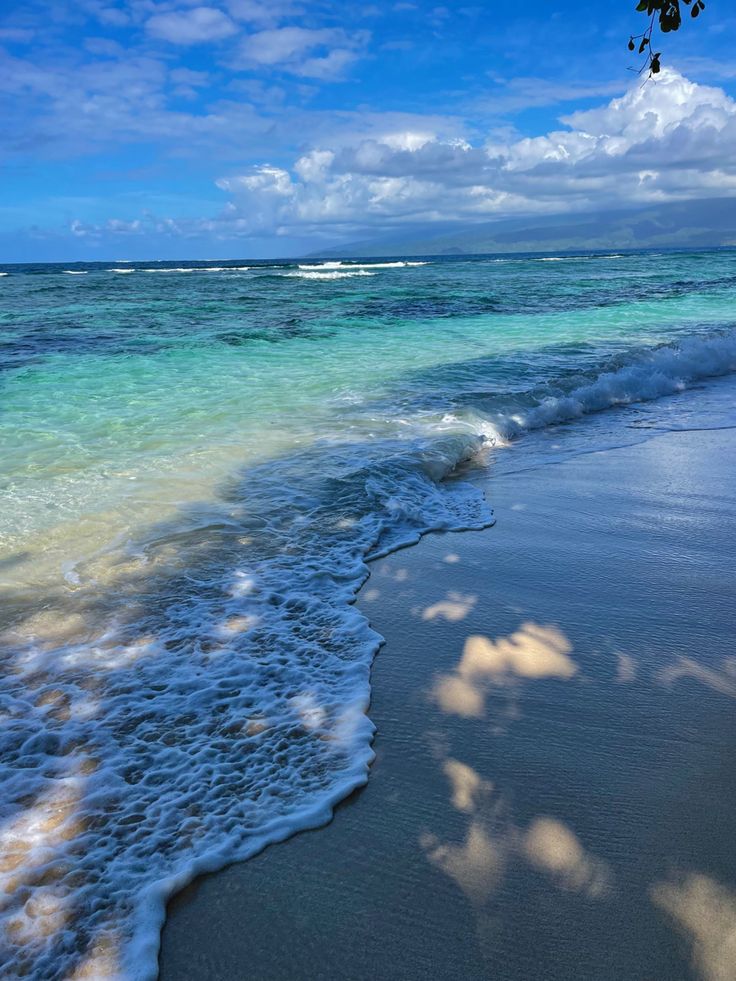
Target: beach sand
(554, 790)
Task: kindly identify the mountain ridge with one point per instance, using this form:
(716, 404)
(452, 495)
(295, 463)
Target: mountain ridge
(684, 224)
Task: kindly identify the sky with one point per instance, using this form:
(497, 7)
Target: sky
(264, 128)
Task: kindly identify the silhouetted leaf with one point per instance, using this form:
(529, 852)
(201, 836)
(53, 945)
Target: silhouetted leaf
(666, 14)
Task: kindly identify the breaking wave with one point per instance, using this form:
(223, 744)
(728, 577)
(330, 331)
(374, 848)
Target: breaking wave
(341, 273)
(661, 371)
(363, 265)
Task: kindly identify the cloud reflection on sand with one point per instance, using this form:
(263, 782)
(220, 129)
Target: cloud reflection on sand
(493, 841)
(531, 652)
(723, 680)
(705, 912)
(552, 847)
(455, 607)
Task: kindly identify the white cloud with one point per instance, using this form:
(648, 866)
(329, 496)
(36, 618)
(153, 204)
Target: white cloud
(57, 107)
(669, 140)
(194, 26)
(185, 76)
(526, 92)
(313, 53)
(261, 11)
(331, 65)
(17, 35)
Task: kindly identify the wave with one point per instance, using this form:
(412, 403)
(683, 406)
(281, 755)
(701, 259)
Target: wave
(329, 274)
(577, 258)
(75, 272)
(171, 269)
(4, 274)
(556, 258)
(225, 268)
(363, 265)
(182, 269)
(640, 377)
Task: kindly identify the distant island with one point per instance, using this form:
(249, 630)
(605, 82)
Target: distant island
(682, 224)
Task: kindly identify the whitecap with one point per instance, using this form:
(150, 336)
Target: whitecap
(220, 269)
(331, 274)
(399, 264)
(577, 258)
(172, 269)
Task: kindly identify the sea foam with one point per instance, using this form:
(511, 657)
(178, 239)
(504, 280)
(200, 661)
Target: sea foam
(171, 269)
(402, 264)
(221, 705)
(660, 371)
(341, 273)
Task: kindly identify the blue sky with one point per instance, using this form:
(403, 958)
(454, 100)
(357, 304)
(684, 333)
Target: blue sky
(243, 128)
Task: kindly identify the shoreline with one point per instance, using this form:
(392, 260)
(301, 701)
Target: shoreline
(542, 782)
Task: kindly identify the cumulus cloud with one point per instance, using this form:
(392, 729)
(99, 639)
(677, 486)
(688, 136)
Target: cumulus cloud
(194, 26)
(673, 140)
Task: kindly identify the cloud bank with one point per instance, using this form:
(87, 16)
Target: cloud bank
(665, 141)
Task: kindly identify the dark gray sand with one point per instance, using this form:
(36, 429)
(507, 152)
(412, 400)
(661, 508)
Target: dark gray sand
(554, 791)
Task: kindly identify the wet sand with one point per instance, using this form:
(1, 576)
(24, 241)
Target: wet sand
(554, 791)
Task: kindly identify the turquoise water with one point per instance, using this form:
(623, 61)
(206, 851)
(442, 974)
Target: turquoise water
(197, 459)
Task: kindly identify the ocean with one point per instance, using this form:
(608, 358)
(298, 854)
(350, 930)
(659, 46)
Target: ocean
(197, 461)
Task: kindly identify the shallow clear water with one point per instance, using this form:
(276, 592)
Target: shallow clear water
(196, 460)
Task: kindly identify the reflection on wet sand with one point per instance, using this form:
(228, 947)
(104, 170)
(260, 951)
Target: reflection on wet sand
(531, 652)
(705, 912)
(723, 680)
(454, 607)
(625, 668)
(467, 786)
(553, 847)
(476, 865)
(493, 841)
